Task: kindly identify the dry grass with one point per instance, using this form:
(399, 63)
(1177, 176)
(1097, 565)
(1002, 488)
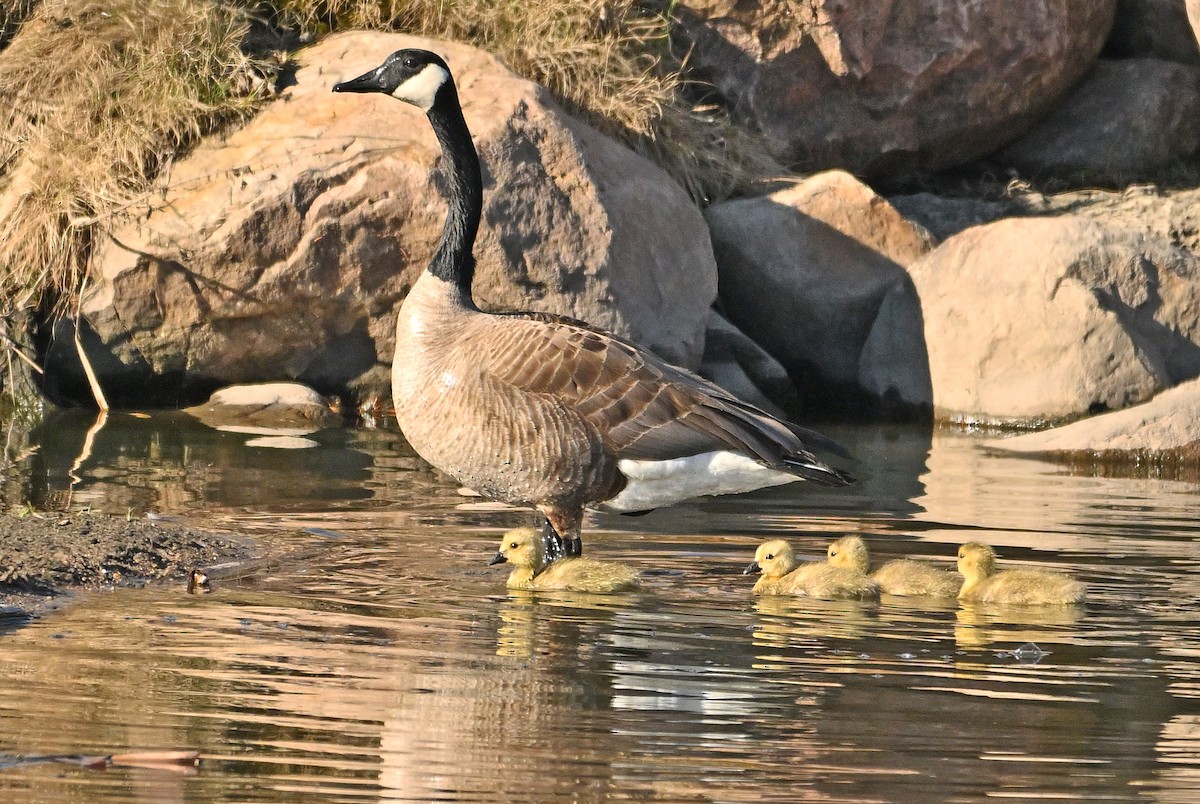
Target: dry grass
(609, 62)
(94, 99)
(97, 97)
(12, 14)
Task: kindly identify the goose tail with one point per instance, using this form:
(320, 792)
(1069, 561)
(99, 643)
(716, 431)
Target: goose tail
(809, 468)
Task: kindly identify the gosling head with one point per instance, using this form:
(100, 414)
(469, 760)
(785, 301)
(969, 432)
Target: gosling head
(849, 552)
(976, 560)
(523, 548)
(411, 75)
(773, 559)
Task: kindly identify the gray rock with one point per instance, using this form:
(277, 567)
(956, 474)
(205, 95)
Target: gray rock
(1156, 29)
(285, 248)
(943, 216)
(878, 86)
(736, 363)
(1126, 121)
(814, 273)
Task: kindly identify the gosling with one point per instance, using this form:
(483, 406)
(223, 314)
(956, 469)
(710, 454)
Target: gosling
(780, 576)
(983, 584)
(525, 549)
(903, 576)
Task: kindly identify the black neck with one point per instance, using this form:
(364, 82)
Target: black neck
(454, 261)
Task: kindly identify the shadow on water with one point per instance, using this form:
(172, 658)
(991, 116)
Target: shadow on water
(395, 665)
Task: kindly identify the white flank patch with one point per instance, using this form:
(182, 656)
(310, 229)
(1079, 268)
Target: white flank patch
(654, 484)
(422, 88)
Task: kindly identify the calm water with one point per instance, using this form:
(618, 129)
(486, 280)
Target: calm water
(389, 662)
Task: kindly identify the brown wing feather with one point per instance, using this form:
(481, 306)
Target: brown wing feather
(643, 407)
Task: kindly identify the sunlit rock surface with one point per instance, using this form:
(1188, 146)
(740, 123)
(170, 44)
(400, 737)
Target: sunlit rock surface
(1029, 320)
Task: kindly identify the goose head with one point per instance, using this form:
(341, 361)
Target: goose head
(976, 561)
(849, 552)
(523, 548)
(773, 559)
(411, 75)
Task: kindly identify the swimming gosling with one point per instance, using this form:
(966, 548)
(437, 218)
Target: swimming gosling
(780, 575)
(525, 549)
(983, 584)
(903, 576)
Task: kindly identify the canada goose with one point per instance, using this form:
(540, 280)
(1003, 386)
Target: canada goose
(902, 576)
(539, 409)
(780, 576)
(525, 549)
(983, 584)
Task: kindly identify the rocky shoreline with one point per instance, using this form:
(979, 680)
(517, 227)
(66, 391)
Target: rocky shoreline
(46, 556)
(281, 249)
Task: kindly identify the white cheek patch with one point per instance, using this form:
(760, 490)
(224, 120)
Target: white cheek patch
(422, 88)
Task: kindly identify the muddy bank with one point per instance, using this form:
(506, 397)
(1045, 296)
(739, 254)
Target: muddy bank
(44, 556)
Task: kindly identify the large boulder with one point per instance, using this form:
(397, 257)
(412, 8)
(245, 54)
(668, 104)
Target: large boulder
(285, 249)
(1036, 320)
(1169, 423)
(815, 273)
(880, 85)
(1126, 121)
(1157, 29)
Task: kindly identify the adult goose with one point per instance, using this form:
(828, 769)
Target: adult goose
(544, 410)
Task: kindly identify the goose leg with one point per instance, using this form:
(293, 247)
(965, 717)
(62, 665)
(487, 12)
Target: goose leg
(553, 542)
(566, 525)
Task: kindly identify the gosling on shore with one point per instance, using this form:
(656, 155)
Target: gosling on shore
(903, 576)
(781, 574)
(525, 549)
(982, 583)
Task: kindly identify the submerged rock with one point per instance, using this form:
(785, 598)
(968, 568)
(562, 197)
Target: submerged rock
(275, 408)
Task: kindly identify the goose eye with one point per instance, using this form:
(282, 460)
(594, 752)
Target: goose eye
(770, 557)
(513, 546)
(410, 63)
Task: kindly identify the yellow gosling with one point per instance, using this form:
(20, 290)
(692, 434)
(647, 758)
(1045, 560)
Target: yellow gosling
(780, 576)
(902, 576)
(983, 584)
(525, 549)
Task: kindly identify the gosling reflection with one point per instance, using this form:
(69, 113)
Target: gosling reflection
(525, 549)
(978, 626)
(982, 583)
(789, 621)
(537, 625)
(780, 574)
(903, 577)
